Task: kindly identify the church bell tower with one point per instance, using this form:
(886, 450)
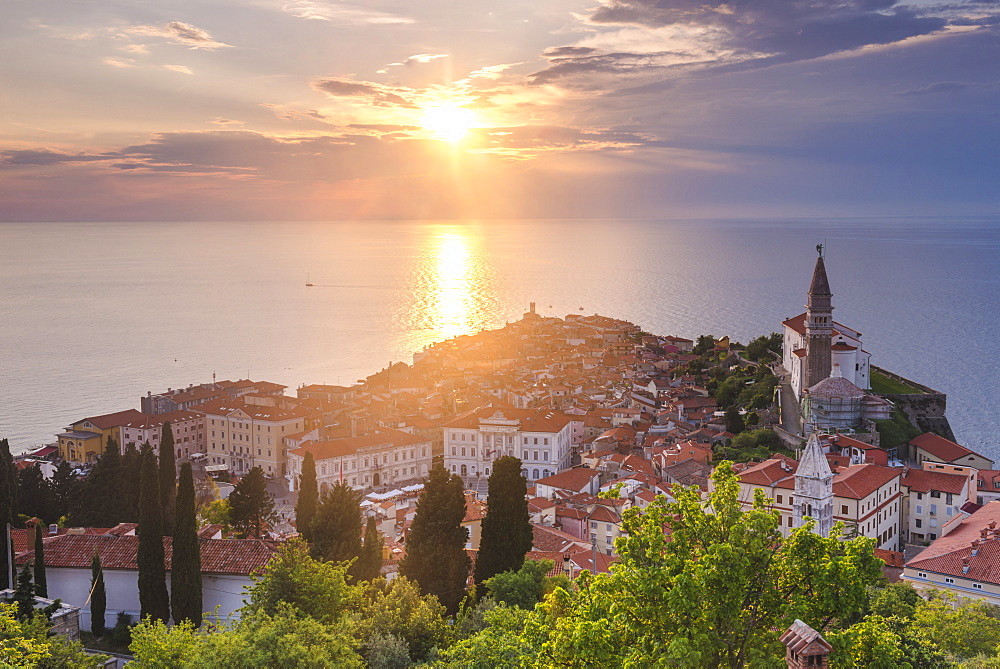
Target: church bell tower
(814, 489)
(819, 325)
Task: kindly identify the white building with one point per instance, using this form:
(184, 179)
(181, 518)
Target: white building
(934, 499)
(865, 497)
(541, 438)
(845, 352)
(387, 457)
(188, 428)
(226, 565)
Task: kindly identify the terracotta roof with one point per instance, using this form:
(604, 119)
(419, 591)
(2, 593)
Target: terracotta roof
(890, 558)
(110, 420)
(530, 420)
(335, 448)
(798, 323)
(551, 539)
(218, 556)
(149, 421)
(854, 482)
(940, 447)
(224, 407)
(603, 514)
(961, 536)
(576, 479)
(919, 480)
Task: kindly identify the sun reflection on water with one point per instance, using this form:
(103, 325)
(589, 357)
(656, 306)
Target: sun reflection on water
(452, 292)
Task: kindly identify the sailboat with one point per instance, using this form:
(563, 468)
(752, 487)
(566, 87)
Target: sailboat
(308, 282)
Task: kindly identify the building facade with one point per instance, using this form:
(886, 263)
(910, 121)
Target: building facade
(242, 436)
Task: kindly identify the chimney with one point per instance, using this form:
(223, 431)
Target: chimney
(965, 565)
(975, 548)
(53, 529)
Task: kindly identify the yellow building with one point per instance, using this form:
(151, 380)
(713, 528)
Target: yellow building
(86, 439)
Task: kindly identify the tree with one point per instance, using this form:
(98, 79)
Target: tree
(309, 587)
(305, 508)
(153, 598)
(704, 345)
(8, 488)
(435, 550)
(168, 476)
(30, 643)
(760, 348)
(41, 583)
(369, 564)
(397, 608)
(65, 488)
(98, 597)
(734, 421)
(251, 507)
(506, 530)
(99, 504)
(35, 494)
(336, 529)
(131, 474)
(185, 572)
(525, 587)
(716, 593)
(962, 629)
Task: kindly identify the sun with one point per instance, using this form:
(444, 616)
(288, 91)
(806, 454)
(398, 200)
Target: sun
(448, 121)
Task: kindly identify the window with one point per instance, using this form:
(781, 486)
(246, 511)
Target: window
(918, 523)
(789, 521)
(921, 574)
(935, 493)
(933, 509)
(843, 509)
(920, 508)
(545, 441)
(454, 450)
(779, 499)
(977, 586)
(920, 495)
(948, 579)
(948, 498)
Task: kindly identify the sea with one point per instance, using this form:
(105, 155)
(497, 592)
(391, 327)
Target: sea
(95, 315)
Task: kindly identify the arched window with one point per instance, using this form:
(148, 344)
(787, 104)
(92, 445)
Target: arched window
(534, 474)
(465, 470)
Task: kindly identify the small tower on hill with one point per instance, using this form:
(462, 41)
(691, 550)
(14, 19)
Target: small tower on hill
(814, 489)
(819, 324)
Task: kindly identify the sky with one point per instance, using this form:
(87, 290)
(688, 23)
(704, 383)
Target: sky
(310, 109)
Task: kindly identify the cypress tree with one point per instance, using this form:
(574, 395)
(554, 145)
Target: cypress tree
(98, 597)
(168, 477)
(99, 504)
(305, 508)
(251, 506)
(370, 561)
(506, 530)
(185, 571)
(65, 489)
(7, 488)
(131, 474)
(7, 461)
(336, 529)
(435, 550)
(34, 494)
(41, 584)
(153, 599)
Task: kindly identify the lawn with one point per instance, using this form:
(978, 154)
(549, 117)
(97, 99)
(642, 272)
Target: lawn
(883, 385)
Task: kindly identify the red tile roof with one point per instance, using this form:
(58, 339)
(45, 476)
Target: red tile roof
(577, 479)
(335, 448)
(918, 480)
(218, 556)
(940, 447)
(854, 482)
(531, 420)
(113, 419)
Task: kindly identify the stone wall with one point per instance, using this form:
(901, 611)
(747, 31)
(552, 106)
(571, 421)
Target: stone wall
(926, 411)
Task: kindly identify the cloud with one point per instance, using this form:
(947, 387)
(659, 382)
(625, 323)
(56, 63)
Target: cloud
(378, 94)
(936, 88)
(340, 13)
(179, 33)
(218, 120)
(41, 157)
(183, 69)
(119, 62)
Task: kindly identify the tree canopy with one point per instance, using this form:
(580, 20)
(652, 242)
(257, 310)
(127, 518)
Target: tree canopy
(251, 506)
(506, 528)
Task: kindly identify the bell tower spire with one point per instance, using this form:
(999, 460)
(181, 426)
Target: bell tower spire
(814, 488)
(819, 324)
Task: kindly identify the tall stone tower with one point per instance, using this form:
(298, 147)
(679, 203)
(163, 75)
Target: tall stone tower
(814, 489)
(819, 325)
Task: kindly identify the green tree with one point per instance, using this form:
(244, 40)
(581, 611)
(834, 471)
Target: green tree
(98, 597)
(716, 593)
(759, 349)
(525, 587)
(99, 504)
(251, 507)
(311, 588)
(370, 561)
(185, 572)
(962, 629)
(895, 600)
(131, 474)
(8, 488)
(869, 643)
(435, 549)
(41, 582)
(506, 529)
(153, 598)
(168, 477)
(305, 508)
(397, 608)
(503, 643)
(35, 495)
(65, 488)
(30, 643)
(734, 421)
(704, 345)
(336, 529)
(258, 640)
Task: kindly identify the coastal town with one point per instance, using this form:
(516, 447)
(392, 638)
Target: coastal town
(602, 416)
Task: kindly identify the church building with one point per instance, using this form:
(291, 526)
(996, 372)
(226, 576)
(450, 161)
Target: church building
(815, 345)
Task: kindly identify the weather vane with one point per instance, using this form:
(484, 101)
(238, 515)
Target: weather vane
(819, 250)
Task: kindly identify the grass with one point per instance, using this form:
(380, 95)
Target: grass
(883, 385)
(896, 431)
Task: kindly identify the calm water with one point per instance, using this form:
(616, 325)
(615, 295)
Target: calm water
(95, 314)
